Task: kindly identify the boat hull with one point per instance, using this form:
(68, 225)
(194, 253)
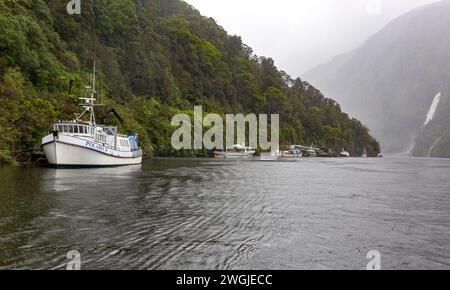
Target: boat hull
(61, 153)
(234, 155)
(238, 155)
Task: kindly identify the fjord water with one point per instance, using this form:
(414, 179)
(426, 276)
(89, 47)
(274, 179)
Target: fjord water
(209, 214)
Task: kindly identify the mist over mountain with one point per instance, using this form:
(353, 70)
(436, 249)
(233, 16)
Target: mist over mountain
(391, 81)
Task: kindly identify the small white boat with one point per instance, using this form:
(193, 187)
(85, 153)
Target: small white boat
(270, 156)
(236, 152)
(344, 153)
(364, 155)
(87, 144)
(310, 153)
(292, 154)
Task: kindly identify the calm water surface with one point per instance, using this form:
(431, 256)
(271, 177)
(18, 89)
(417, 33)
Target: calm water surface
(206, 214)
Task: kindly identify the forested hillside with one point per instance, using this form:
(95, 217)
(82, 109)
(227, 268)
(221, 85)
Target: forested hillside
(155, 58)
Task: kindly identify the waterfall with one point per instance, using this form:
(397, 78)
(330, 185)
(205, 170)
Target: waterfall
(411, 146)
(430, 117)
(433, 109)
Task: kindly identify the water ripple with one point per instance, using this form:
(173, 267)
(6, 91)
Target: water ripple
(205, 214)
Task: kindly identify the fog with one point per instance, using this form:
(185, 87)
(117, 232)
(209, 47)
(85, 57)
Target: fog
(300, 34)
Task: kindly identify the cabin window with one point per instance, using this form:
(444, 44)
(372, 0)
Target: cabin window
(60, 128)
(75, 129)
(65, 129)
(70, 129)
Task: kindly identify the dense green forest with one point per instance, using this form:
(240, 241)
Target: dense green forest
(155, 58)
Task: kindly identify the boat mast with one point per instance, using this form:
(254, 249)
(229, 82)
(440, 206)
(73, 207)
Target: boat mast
(92, 99)
(88, 103)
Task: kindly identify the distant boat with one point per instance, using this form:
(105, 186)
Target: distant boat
(364, 155)
(272, 156)
(344, 153)
(305, 151)
(292, 154)
(326, 152)
(235, 152)
(219, 153)
(86, 143)
(310, 153)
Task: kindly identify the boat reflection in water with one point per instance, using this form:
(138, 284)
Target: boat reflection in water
(69, 179)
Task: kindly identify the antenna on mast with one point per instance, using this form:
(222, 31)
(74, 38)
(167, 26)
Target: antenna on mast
(93, 80)
(88, 102)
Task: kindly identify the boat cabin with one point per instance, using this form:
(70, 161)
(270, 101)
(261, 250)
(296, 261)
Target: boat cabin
(107, 136)
(74, 128)
(239, 149)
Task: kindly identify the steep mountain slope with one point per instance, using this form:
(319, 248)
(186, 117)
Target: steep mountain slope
(155, 58)
(390, 81)
(433, 139)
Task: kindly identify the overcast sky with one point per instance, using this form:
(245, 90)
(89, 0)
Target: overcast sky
(300, 34)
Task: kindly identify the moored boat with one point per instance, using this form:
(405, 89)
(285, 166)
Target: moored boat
(344, 153)
(292, 154)
(364, 155)
(310, 153)
(86, 143)
(235, 152)
(270, 156)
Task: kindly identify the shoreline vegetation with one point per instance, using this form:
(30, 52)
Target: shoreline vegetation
(155, 59)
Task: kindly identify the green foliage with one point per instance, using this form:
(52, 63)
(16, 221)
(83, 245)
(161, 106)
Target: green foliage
(155, 59)
(24, 115)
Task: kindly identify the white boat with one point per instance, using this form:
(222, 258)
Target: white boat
(311, 153)
(292, 154)
(364, 155)
(87, 144)
(305, 151)
(344, 153)
(235, 152)
(270, 156)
